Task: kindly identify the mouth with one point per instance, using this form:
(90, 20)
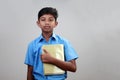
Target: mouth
(46, 27)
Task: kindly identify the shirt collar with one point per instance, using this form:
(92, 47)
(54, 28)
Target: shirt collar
(53, 37)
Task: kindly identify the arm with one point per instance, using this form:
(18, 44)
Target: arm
(67, 66)
(29, 73)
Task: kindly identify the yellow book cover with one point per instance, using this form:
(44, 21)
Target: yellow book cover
(57, 51)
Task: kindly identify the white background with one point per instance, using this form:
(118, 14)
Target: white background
(92, 27)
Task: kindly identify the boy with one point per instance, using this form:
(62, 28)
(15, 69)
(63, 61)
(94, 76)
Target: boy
(47, 21)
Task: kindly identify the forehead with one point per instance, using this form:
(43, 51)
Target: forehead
(47, 16)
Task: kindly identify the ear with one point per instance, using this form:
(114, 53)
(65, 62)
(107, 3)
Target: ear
(38, 23)
(56, 23)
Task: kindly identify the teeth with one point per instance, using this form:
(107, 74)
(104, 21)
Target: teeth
(46, 26)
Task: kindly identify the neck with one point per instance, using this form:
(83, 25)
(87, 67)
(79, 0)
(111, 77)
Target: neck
(47, 35)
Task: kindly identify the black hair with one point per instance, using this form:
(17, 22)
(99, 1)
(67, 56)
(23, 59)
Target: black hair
(48, 10)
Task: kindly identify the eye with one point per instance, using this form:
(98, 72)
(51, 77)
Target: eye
(51, 19)
(42, 19)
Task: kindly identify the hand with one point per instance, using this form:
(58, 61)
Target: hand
(46, 57)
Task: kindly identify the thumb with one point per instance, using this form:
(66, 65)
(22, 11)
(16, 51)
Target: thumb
(45, 51)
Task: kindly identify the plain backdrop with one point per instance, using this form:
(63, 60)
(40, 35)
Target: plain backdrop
(92, 27)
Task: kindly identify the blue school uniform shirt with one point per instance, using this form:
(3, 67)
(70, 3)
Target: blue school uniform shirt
(34, 51)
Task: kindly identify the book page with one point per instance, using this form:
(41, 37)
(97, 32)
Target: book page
(56, 51)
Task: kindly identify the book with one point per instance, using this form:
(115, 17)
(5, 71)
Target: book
(56, 51)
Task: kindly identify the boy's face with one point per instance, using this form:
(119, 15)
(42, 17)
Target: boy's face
(47, 23)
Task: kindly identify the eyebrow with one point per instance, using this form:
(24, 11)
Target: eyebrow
(44, 17)
(48, 18)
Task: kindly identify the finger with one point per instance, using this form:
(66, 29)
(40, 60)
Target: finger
(45, 51)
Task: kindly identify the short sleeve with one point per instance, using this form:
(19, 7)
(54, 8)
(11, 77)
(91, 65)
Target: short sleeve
(70, 53)
(29, 55)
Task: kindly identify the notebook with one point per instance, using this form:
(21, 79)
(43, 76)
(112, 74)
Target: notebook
(57, 51)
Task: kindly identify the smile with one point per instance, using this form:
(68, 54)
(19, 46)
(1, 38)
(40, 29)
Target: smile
(46, 27)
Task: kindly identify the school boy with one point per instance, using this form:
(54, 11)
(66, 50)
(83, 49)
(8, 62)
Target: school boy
(47, 21)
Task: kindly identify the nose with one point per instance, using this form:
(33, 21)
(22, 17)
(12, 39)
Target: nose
(46, 22)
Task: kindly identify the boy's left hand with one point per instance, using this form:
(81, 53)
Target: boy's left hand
(46, 57)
